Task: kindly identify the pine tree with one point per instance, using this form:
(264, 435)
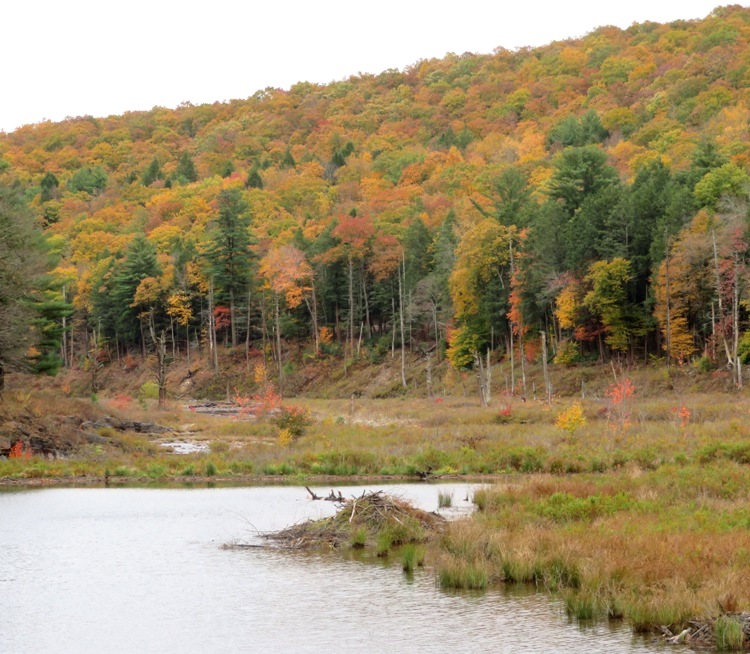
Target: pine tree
(186, 172)
(228, 254)
(22, 264)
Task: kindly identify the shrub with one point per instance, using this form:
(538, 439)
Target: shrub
(567, 353)
(293, 419)
(18, 451)
(571, 418)
(704, 364)
(148, 391)
(285, 437)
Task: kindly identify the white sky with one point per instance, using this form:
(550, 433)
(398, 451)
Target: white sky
(75, 57)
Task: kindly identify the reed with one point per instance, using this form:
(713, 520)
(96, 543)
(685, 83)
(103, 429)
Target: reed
(445, 499)
(412, 556)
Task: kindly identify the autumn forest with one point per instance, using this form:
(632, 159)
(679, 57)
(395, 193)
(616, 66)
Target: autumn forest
(587, 199)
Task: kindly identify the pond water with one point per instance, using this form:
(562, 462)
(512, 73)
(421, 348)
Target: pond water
(142, 570)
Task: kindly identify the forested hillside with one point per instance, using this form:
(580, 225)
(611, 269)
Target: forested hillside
(592, 192)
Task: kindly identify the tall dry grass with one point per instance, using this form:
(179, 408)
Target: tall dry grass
(656, 548)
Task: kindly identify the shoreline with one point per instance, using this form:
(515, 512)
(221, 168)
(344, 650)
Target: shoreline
(238, 480)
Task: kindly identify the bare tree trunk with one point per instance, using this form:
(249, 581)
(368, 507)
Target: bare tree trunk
(213, 349)
(247, 333)
(64, 345)
(72, 359)
(160, 346)
(489, 379)
(669, 312)
(429, 376)
(278, 346)
(264, 322)
(232, 318)
(401, 318)
(736, 322)
(143, 340)
(94, 362)
(393, 331)
(367, 306)
(437, 331)
(547, 384)
(481, 378)
(351, 306)
(721, 303)
(312, 308)
(171, 329)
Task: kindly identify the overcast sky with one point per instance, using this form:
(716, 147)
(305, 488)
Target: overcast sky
(75, 57)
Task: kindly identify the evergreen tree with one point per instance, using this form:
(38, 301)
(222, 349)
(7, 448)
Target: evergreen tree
(580, 172)
(51, 307)
(49, 186)
(152, 173)
(140, 262)
(228, 254)
(88, 180)
(186, 172)
(23, 263)
(254, 180)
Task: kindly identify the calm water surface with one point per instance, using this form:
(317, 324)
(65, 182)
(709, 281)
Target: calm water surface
(142, 570)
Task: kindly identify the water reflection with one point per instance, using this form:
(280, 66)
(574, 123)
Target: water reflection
(124, 570)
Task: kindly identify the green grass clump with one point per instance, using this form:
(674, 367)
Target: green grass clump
(728, 634)
(384, 542)
(411, 557)
(457, 574)
(156, 471)
(211, 469)
(445, 499)
(359, 538)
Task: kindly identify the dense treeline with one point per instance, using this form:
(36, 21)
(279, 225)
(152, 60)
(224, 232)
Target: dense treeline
(588, 196)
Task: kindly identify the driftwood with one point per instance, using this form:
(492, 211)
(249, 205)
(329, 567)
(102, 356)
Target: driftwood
(702, 633)
(125, 425)
(332, 497)
(426, 475)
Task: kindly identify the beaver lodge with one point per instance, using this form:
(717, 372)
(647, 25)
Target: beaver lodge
(372, 519)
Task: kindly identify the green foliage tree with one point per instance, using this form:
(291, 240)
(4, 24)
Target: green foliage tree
(152, 173)
(580, 172)
(185, 171)
(607, 299)
(578, 132)
(23, 262)
(228, 255)
(254, 180)
(50, 307)
(113, 300)
(49, 186)
(510, 196)
(90, 180)
(726, 180)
